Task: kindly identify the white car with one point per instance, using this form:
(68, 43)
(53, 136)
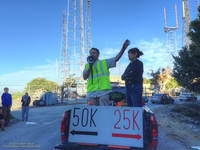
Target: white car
(187, 97)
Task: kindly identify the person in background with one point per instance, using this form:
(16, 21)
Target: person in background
(6, 99)
(133, 77)
(2, 121)
(26, 99)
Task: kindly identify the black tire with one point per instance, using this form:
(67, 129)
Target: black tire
(35, 103)
(150, 148)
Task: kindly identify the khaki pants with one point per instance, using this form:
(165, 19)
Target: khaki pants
(99, 101)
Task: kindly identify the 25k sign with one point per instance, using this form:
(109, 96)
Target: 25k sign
(107, 125)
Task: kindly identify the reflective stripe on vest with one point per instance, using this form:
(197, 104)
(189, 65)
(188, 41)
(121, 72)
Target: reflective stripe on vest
(100, 79)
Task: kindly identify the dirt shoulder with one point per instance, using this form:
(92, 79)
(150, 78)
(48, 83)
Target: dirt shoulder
(180, 122)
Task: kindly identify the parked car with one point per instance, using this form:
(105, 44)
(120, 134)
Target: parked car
(162, 99)
(145, 99)
(187, 97)
(150, 130)
(121, 90)
(47, 98)
(39, 103)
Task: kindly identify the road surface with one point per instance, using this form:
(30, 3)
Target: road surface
(42, 132)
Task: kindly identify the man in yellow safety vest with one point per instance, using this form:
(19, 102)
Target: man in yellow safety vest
(97, 74)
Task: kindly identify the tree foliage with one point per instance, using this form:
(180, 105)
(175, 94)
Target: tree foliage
(147, 81)
(162, 80)
(155, 80)
(41, 84)
(17, 95)
(187, 64)
(172, 84)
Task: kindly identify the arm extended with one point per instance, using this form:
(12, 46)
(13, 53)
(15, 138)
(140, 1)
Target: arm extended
(125, 45)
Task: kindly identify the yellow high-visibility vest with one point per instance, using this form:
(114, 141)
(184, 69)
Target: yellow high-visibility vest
(101, 77)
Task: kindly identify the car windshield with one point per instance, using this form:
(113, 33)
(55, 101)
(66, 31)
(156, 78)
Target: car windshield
(185, 95)
(158, 95)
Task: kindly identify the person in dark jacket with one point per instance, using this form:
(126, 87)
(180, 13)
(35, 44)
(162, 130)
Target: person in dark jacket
(133, 78)
(26, 99)
(6, 99)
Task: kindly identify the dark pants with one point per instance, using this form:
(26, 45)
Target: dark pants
(134, 95)
(25, 110)
(6, 114)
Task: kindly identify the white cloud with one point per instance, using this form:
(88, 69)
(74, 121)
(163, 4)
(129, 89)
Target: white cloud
(17, 80)
(108, 53)
(155, 56)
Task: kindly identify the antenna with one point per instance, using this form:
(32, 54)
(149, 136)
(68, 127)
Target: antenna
(176, 15)
(165, 18)
(171, 41)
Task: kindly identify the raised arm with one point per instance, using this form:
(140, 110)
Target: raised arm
(125, 45)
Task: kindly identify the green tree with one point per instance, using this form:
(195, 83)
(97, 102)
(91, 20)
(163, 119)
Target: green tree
(17, 95)
(187, 64)
(41, 84)
(162, 80)
(147, 81)
(16, 102)
(155, 80)
(172, 84)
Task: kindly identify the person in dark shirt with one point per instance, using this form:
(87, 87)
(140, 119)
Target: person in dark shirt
(6, 103)
(133, 78)
(26, 99)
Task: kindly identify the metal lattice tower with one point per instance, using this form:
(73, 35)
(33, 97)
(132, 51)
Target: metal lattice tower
(64, 67)
(75, 29)
(171, 42)
(186, 23)
(82, 37)
(85, 31)
(76, 38)
(88, 26)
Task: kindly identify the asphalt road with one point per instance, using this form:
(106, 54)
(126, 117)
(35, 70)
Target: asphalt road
(42, 132)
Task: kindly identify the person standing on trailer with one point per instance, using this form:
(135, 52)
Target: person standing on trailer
(133, 77)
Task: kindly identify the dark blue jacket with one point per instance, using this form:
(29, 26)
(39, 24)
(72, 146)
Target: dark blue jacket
(6, 99)
(133, 73)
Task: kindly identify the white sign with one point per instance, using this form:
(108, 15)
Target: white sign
(107, 125)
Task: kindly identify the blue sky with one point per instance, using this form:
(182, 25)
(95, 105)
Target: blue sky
(30, 34)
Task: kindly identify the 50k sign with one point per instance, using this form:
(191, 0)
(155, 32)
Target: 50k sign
(107, 125)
